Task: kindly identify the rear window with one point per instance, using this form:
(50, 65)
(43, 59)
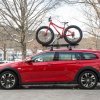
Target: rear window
(89, 56)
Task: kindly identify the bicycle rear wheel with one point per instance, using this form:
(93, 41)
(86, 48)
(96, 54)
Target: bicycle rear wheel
(44, 35)
(73, 34)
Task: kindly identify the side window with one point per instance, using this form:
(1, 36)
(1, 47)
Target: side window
(89, 56)
(48, 56)
(69, 56)
(44, 57)
(64, 56)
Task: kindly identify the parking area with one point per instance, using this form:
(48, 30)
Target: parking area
(58, 92)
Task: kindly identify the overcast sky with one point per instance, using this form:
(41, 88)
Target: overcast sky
(72, 14)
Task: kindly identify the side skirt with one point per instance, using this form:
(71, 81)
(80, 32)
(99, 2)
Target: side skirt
(48, 83)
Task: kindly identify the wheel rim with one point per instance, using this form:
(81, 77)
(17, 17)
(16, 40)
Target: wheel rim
(88, 80)
(43, 36)
(7, 80)
(75, 35)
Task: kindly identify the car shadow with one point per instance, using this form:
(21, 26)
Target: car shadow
(54, 87)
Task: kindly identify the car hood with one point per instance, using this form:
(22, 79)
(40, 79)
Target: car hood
(10, 64)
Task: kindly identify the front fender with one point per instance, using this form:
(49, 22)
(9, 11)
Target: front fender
(13, 70)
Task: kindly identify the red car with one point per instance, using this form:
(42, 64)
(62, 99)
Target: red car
(57, 66)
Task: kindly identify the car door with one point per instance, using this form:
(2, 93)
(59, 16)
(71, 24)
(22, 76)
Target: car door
(35, 69)
(70, 62)
(55, 70)
(39, 71)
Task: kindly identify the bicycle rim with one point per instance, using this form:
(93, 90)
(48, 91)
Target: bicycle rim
(44, 35)
(73, 35)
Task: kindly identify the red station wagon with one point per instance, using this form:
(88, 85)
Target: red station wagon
(57, 66)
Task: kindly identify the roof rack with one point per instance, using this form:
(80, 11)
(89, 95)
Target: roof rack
(69, 46)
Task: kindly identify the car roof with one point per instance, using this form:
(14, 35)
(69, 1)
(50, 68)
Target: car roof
(75, 50)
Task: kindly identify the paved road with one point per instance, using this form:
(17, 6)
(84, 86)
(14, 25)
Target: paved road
(50, 93)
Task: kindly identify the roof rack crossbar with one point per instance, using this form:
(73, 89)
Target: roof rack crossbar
(69, 46)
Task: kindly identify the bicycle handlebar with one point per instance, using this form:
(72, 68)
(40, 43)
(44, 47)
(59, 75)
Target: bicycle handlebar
(50, 19)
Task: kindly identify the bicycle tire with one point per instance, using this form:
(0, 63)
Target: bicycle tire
(51, 38)
(78, 40)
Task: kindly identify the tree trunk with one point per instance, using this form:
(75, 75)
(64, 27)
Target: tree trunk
(4, 50)
(23, 48)
(4, 55)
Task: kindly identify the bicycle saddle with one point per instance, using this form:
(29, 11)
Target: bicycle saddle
(64, 22)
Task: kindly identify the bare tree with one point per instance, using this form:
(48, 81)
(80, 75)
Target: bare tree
(4, 49)
(23, 15)
(91, 13)
(81, 1)
(3, 42)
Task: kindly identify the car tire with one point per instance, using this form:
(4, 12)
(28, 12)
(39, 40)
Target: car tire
(8, 80)
(87, 80)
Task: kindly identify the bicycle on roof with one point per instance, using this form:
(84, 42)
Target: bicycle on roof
(72, 34)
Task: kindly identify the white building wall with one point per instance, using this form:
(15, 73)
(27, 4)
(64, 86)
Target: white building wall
(13, 55)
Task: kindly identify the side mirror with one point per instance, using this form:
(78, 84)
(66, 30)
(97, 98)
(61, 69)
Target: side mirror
(28, 59)
(39, 60)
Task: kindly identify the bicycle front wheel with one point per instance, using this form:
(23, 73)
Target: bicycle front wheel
(44, 35)
(73, 34)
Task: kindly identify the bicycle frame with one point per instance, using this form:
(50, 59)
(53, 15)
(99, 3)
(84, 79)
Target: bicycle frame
(63, 29)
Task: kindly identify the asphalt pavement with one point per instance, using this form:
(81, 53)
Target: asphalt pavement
(58, 92)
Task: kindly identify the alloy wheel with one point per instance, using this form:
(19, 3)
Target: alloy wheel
(8, 80)
(88, 80)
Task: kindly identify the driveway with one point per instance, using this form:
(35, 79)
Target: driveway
(58, 92)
